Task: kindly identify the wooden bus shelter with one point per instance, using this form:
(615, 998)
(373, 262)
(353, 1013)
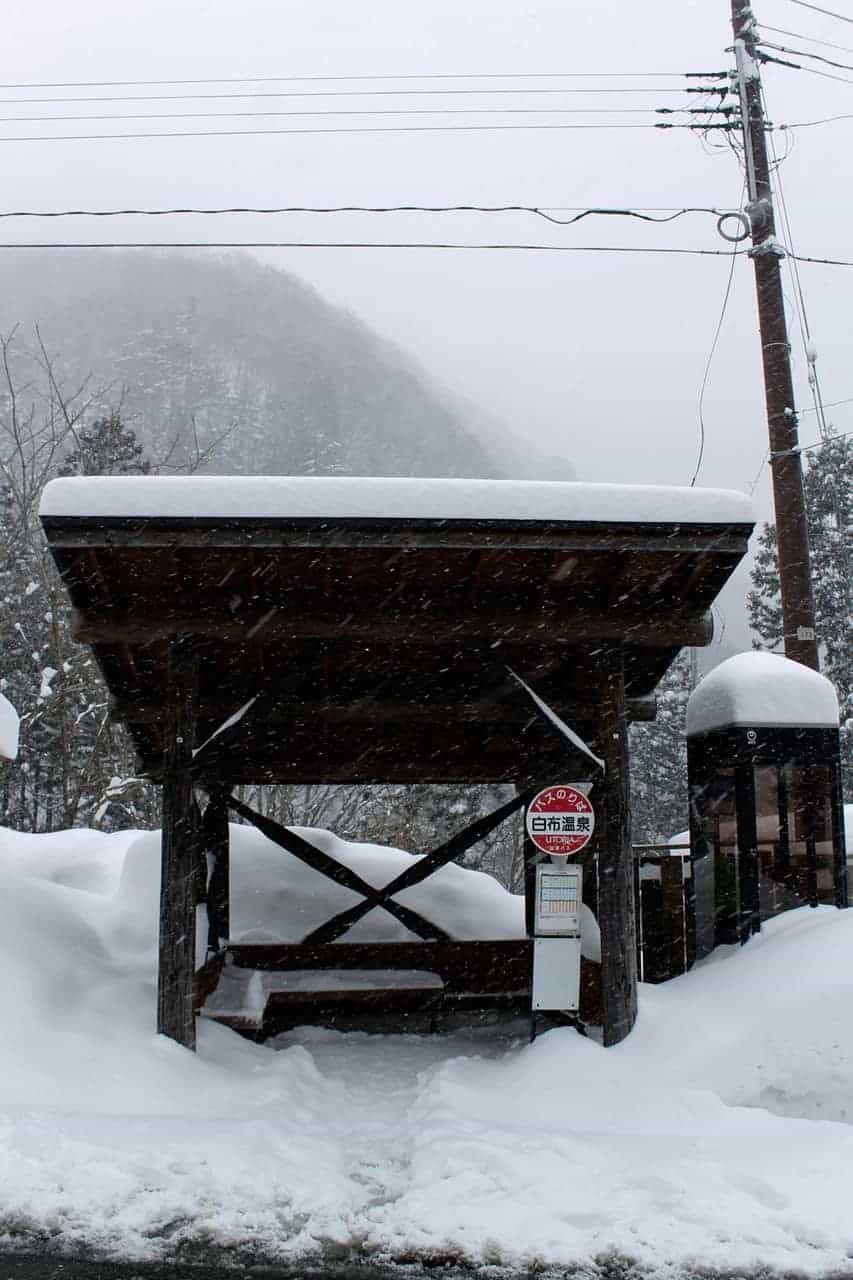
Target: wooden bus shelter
(300, 630)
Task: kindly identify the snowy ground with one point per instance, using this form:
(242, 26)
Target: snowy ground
(719, 1134)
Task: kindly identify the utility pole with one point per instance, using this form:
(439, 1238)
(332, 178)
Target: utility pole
(792, 541)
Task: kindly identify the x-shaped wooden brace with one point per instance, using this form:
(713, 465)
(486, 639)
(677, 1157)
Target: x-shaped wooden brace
(371, 897)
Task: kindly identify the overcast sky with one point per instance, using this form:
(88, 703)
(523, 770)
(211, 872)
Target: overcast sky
(597, 356)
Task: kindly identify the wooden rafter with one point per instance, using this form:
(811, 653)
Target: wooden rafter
(568, 627)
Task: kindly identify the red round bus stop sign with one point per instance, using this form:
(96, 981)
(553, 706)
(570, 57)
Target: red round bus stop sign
(560, 820)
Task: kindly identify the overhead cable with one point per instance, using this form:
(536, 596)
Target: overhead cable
(814, 447)
(354, 93)
(542, 211)
(810, 124)
(812, 71)
(819, 444)
(367, 244)
(375, 111)
(817, 9)
(803, 53)
(363, 244)
(361, 129)
(830, 404)
(798, 35)
(701, 403)
(406, 76)
(825, 262)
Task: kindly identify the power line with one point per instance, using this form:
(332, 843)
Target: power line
(810, 124)
(709, 362)
(824, 262)
(817, 9)
(803, 53)
(364, 244)
(542, 211)
(818, 444)
(375, 111)
(832, 404)
(250, 133)
(754, 481)
(803, 448)
(405, 76)
(829, 44)
(350, 93)
(812, 71)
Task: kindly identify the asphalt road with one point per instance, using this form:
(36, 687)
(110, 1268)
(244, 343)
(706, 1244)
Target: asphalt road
(46, 1265)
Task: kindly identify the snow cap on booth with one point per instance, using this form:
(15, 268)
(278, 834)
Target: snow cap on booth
(762, 690)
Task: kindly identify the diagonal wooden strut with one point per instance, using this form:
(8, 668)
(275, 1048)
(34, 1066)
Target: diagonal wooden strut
(419, 871)
(334, 870)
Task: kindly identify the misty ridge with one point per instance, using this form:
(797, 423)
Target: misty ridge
(248, 368)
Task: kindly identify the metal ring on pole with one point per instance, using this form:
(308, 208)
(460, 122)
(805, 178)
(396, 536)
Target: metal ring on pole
(743, 222)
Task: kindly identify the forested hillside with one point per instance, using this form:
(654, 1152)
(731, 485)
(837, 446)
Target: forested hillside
(248, 366)
(134, 362)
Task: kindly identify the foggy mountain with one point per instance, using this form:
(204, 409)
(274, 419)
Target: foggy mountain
(202, 350)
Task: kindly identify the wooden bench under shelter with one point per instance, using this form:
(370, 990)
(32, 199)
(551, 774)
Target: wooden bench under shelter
(304, 630)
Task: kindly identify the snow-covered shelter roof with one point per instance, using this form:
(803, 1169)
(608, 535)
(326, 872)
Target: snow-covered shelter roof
(375, 620)
(388, 498)
(761, 690)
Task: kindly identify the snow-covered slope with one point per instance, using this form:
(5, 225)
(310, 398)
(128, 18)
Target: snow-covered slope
(718, 1133)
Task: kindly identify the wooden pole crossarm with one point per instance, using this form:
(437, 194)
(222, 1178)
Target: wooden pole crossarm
(334, 870)
(419, 871)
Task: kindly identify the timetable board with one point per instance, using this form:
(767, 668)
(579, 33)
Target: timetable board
(558, 900)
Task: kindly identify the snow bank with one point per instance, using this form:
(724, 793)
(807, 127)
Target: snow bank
(390, 498)
(9, 729)
(277, 898)
(761, 690)
(718, 1134)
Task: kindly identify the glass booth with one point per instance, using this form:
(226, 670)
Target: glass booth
(766, 814)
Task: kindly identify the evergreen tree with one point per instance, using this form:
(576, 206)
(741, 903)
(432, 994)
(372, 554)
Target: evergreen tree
(828, 486)
(69, 749)
(107, 448)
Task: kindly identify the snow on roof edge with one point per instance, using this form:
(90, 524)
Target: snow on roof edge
(762, 690)
(384, 497)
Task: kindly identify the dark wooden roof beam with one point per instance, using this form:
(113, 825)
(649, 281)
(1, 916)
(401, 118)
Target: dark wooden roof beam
(397, 535)
(567, 628)
(365, 710)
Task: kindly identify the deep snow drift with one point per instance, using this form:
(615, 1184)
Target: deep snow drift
(719, 1133)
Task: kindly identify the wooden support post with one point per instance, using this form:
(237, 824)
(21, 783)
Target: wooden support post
(616, 917)
(839, 856)
(531, 858)
(216, 847)
(688, 868)
(672, 902)
(180, 857)
(651, 919)
(749, 883)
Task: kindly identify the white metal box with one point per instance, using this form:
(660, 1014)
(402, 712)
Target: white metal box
(557, 974)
